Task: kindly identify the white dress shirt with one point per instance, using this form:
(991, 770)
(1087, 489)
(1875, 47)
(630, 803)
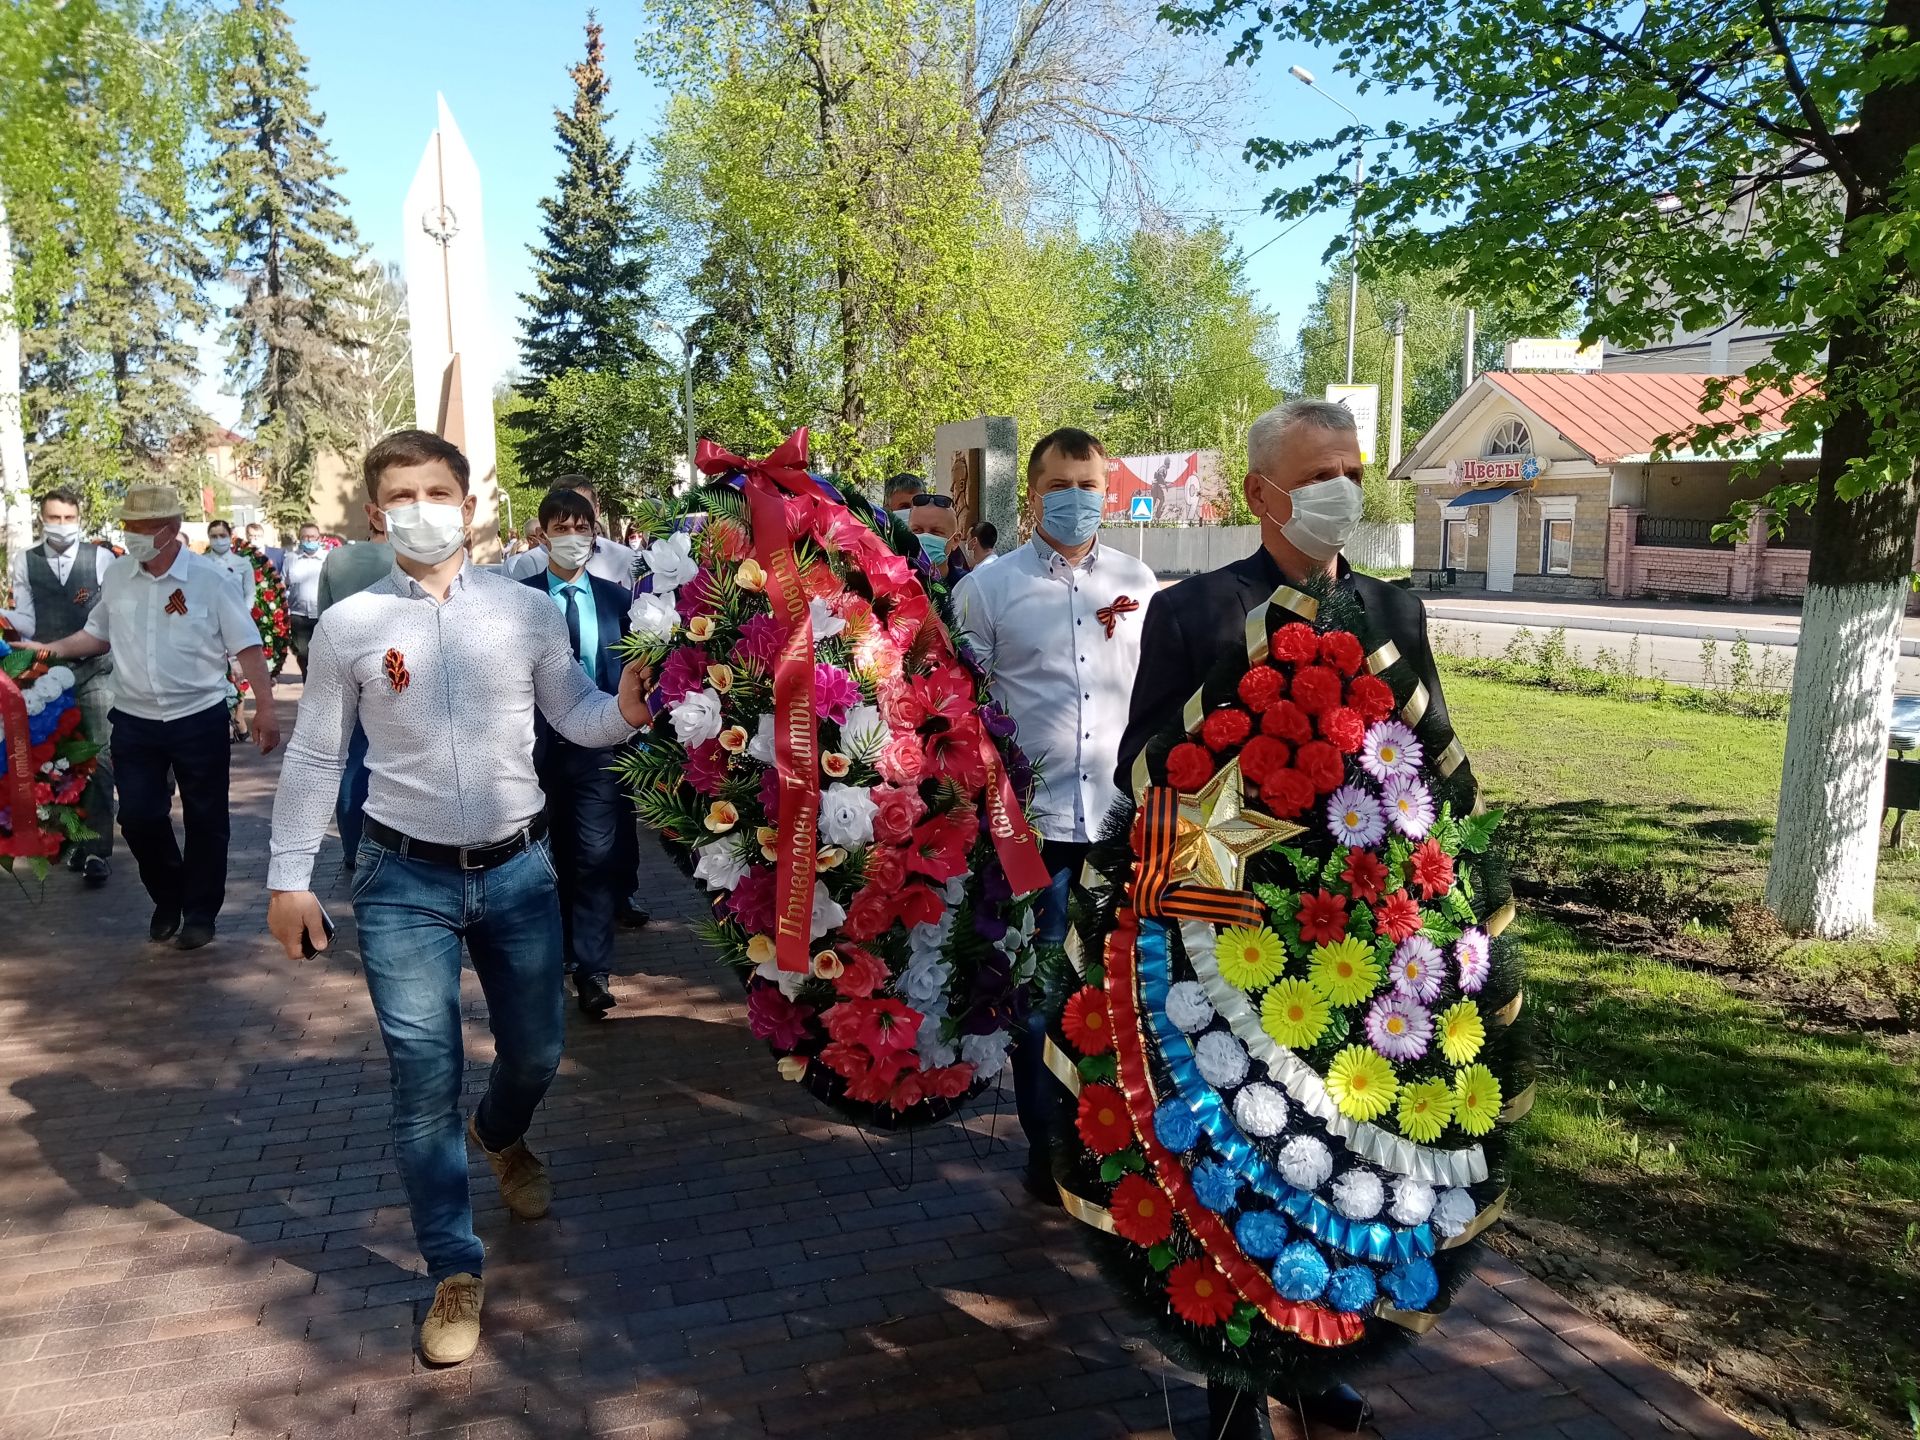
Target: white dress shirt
(21, 616)
(171, 663)
(302, 574)
(450, 750)
(1032, 621)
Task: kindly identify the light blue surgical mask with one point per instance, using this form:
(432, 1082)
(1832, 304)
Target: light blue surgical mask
(934, 547)
(309, 547)
(220, 544)
(1072, 517)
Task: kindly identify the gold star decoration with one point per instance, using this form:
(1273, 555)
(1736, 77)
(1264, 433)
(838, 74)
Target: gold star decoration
(1216, 833)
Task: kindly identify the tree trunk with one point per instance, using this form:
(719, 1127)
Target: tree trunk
(15, 492)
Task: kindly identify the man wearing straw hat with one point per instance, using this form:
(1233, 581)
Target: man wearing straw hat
(171, 618)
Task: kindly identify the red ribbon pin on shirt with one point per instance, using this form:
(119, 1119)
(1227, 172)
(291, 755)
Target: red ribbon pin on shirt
(177, 603)
(397, 675)
(1109, 615)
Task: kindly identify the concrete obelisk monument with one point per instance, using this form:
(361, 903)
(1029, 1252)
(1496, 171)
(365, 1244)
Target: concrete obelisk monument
(446, 265)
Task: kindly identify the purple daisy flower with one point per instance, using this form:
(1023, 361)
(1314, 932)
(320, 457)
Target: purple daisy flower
(1389, 750)
(1409, 806)
(1399, 1027)
(1417, 969)
(1354, 817)
(1470, 953)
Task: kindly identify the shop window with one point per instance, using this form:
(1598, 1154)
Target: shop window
(1454, 556)
(1556, 547)
(1510, 437)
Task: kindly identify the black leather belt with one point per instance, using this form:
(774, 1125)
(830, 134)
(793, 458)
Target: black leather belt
(460, 857)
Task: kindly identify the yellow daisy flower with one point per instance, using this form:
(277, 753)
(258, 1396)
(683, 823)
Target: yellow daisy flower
(1345, 972)
(1250, 956)
(1293, 1014)
(1476, 1099)
(1362, 1083)
(1461, 1032)
(1425, 1108)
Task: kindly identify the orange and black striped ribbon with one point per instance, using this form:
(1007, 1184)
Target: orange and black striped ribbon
(1154, 892)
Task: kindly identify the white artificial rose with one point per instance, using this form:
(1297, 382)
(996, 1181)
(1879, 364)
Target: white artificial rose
(1412, 1201)
(1305, 1163)
(1188, 1007)
(1261, 1110)
(61, 677)
(719, 866)
(827, 911)
(1454, 1211)
(863, 732)
(1222, 1060)
(846, 815)
(670, 561)
(653, 616)
(923, 983)
(826, 624)
(1358, 1195)
(760, 747)
(789, 981)
(986, 1053)
(696, 718)
(935, 1052)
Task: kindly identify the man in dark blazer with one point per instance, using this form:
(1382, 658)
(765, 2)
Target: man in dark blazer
(1303, 485)
(585, 805)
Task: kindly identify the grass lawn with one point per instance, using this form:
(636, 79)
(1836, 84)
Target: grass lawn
(1769, 1154)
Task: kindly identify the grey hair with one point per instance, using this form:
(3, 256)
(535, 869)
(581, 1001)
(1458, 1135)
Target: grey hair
(1263, 436)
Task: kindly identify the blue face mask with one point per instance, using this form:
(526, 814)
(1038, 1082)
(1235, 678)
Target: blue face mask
(308, 547)
(934, 547)
(220, 544)
(1071, 517)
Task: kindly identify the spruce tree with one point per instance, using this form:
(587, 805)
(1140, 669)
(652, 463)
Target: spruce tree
(288, 247)
(589, 304)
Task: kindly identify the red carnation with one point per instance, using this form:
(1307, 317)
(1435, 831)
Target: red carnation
(1371, 696)
(1397, 916)
(1261, 686)
(1287, 794)
(1364, 874)
(1296, 644)
(1322, 917)
(1432, 870)
(1199, 1293)
(1322, 765)
(1344, 728)
(1224, 729)
(1316, 689)
(1140, 1212)
(1102, 1119)
(1263, 758)
(1189, 766)
(1342, 651)
(1286, 721)
(1085, 1022)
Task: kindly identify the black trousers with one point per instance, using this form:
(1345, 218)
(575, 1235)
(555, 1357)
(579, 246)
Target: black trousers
(300, 632)
(150, 757)
(586, 810)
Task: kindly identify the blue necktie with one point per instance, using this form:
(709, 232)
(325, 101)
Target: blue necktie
(573, 628)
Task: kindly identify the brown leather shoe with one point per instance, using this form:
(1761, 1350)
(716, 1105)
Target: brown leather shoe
(451, 1331)
(523, 1179)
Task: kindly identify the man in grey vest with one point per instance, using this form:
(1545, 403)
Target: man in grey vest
(56, 584)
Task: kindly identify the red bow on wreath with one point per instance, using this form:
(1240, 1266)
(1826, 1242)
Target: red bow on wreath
(1109, 615)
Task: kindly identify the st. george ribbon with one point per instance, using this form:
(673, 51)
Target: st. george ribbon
(795, 742)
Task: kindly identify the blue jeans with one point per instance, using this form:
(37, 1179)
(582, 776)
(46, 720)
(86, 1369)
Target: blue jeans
(353, 795)
(412, 917)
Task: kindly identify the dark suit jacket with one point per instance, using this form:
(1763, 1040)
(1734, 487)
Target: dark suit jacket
(1194, 625)
(610, 606)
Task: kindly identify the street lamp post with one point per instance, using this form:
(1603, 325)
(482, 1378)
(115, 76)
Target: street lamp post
(1305, 77)
(686, 376)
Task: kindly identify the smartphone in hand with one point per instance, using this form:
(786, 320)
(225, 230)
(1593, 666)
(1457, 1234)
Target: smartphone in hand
(307, 947)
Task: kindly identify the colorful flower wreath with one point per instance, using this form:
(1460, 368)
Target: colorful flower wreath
(827, 766)
(269, 604)
(1294, 1049)
(45, 758)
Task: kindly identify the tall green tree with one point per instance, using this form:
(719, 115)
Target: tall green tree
(1675, 167)
(589, 307)
(287, 246)
(377, 389)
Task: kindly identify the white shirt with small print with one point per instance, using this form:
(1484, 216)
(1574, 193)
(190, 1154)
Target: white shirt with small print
(170, 634)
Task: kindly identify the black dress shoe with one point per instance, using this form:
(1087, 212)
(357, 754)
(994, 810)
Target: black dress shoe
(632, 917)
(164, 925)
(76, 858)
(193, 935)
(96, 871)
(1237, 1414)
(595, 998)
(1340, 1408)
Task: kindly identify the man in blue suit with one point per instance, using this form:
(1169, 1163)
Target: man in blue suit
(585, 808)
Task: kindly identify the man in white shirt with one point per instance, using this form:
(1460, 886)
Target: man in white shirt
(238, 568)
(302, 574)
(1056, 625)
(171, 619)
(56, 585)
(444, 666)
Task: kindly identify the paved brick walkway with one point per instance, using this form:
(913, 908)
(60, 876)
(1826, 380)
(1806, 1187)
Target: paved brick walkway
(201, 1233)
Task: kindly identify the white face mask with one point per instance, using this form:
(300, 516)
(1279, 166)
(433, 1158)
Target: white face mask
(142, 547)
(1325, 515)
(426, 533)
(570, 552)
(60, 537)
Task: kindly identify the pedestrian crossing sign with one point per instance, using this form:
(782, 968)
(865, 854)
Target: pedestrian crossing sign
(1141, 508)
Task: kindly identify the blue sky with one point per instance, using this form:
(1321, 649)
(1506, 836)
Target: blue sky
(502, 66)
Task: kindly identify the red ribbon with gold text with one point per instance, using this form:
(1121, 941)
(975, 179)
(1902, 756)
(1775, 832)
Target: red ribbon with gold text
(1154, 893)
(795, 740)
(27, 839)
(1013, 838)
